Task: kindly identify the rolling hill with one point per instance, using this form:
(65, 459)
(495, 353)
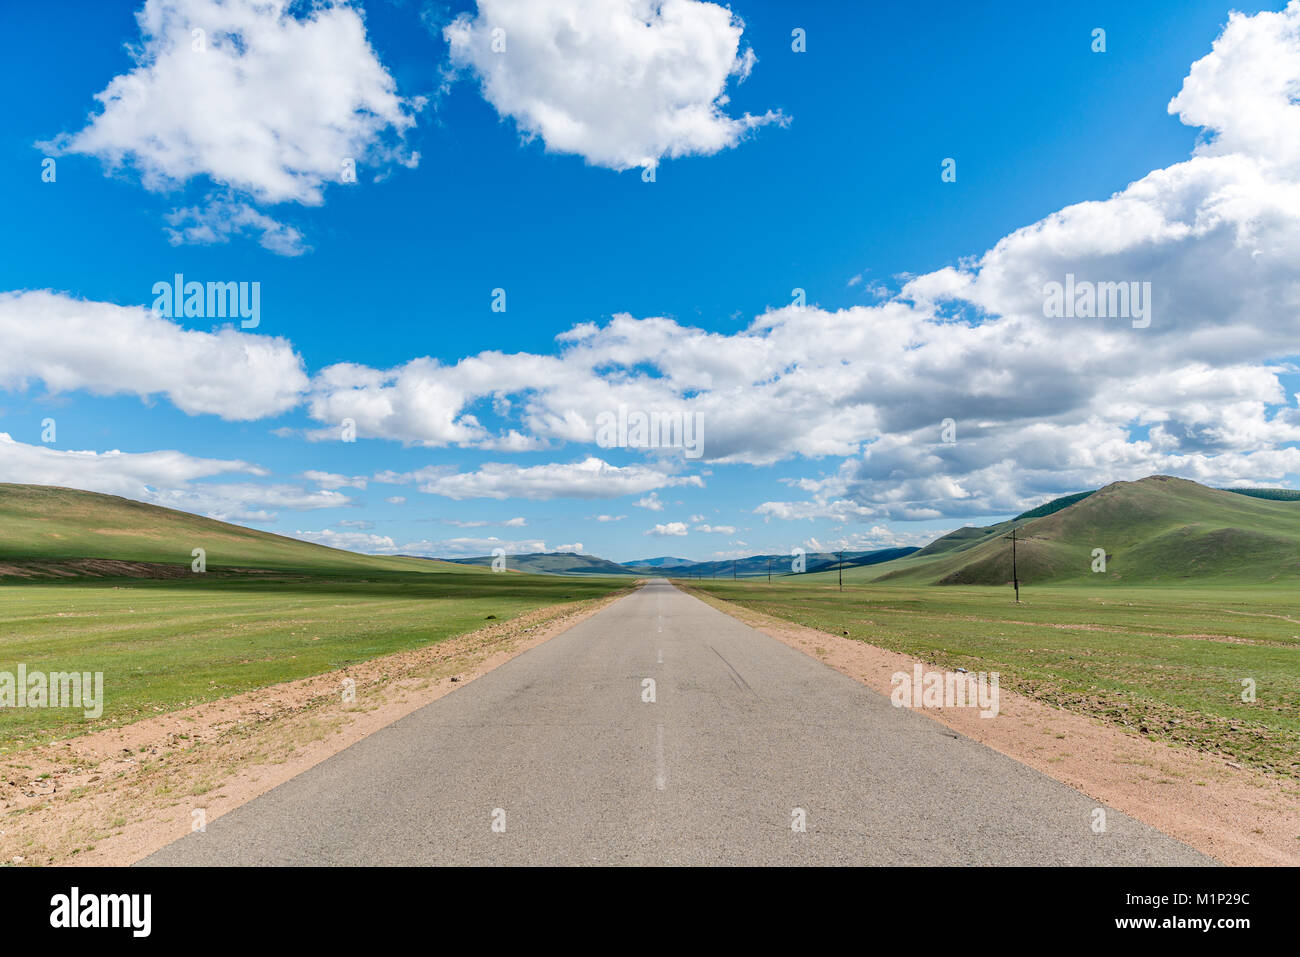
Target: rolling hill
(47, 531)
(1156, 530)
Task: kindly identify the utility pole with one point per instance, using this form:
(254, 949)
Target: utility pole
(841, 558)
(1015, 578)
(733, 569)
(769, 571)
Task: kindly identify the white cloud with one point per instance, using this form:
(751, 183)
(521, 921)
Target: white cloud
(351, 541)
(129, 474)
(164, 478)
(474, 547)
(667, 529)
(421, 402)
(509, 523)
(427, 548)
(244, 501)
(396, 500)
(716, 529)
(620, 84)
(651, 502)
(588, 478)
(876, 538)
(106, 349)
(220, 219)
(271, 106)
(1245, 88)
(332, 480)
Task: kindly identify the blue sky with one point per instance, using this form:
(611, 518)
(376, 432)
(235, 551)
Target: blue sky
(471, 178)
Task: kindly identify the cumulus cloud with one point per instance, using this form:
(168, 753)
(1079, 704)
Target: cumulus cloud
(332, 480)
(474, 547)
(130, 474)
(373, 544)
(875, 538)
(245, 501)
(271, 105)
(166, 478)
(351, 541)
(105, 349)
(666, 529)
(254, 98)
(620, 84)
(1245, 89)
(589, 478)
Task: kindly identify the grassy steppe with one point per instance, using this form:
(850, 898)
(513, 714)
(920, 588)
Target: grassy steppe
(1167, 662)
(166, 645)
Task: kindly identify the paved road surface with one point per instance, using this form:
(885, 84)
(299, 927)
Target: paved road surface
(743, 730)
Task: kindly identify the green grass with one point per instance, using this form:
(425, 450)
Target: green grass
(166, 645)
(1164, 661)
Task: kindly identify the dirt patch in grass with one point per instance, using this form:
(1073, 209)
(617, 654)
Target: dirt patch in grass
(1238, 815)
(109, 568)
(117, 795)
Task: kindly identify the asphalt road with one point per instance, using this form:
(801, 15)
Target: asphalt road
(559, 746)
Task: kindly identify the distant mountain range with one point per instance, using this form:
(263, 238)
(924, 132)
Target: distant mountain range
(753, 566)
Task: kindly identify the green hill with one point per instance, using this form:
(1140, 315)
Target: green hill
(1159, 529)
(61, 532)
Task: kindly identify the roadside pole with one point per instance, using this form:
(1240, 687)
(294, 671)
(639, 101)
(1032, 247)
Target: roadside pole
(1015, 578)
